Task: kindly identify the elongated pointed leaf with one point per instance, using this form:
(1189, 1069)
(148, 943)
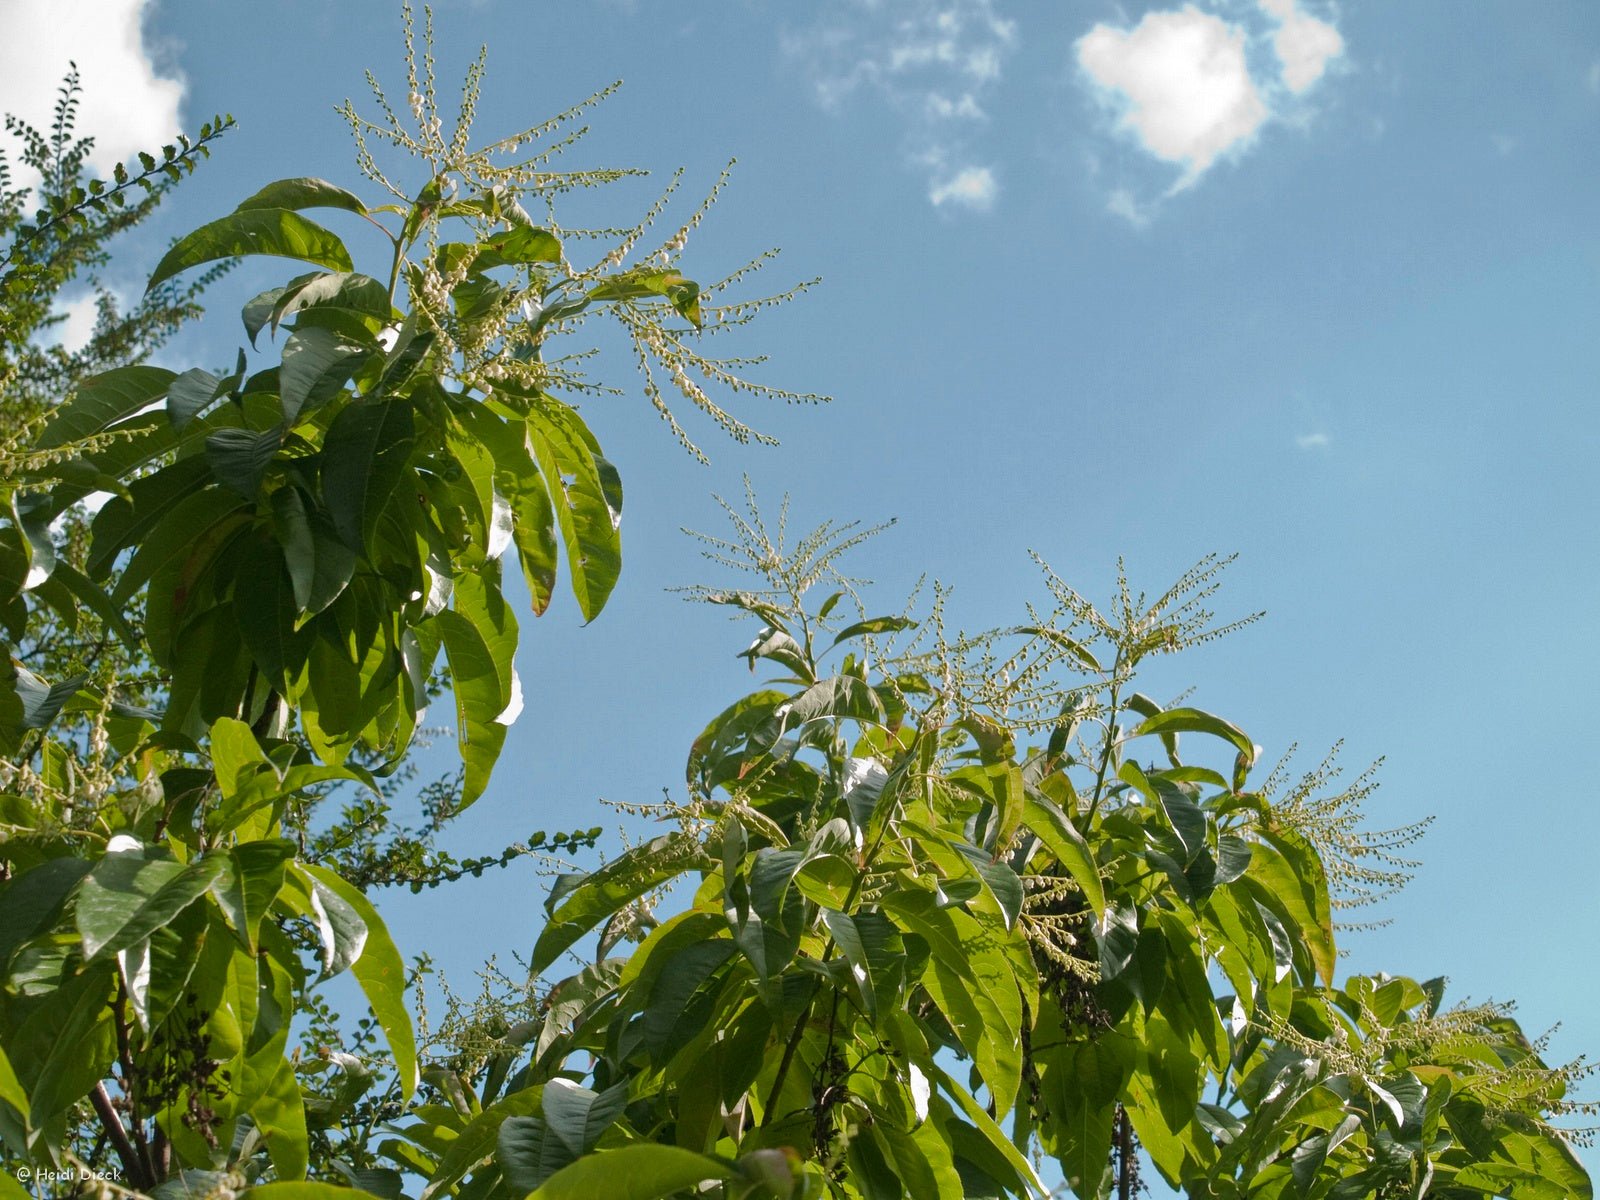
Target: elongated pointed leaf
(382, 975)
(127, 896)
(303, 192)
(619, 882)
(272, 231)
(1062, 839)
(480, 643)
(317, 363)
(364, 457)
(103, 400)
(181, 535)
(476, 1142)
(1192, 720)
(587, 516)
(191, 394)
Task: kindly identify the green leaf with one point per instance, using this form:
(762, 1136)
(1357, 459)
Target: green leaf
(838, 696)
(320, 565)
(524, 244)
(1062, 839)
(1186, 817)
(180, 535)
(364, 457)
(586, 514)
(476, 1141)
(272, 231)
(191, 394)
(32, 902)
(37, 703)
(606, 891)
(32, 516)
(382, 976)
(252, 884)
(280, 1115)
(1288, 868)
(1192, 720)
(102, 400)
(577, 1116)
(999, 880)
(643, 1171)
(974, 984)
(333, 296)
(853, 945)
(517, 479)
(93, 597)
(873, 625)
(317, 363)
(480, 642)
(65, 1046)
(683, 294)
(11, 1091)
(127, 896)
(264, 604)
(240, 457)
(303, 193)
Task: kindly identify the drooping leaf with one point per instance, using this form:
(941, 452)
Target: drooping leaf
(476, 1142)
(480, 642)
(1062, 839)
(317, 363)
(364, 457)
(382, 975)
(191, 394)
(586, 514)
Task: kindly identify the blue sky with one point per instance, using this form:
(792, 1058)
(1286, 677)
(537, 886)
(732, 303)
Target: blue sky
(1317, 285)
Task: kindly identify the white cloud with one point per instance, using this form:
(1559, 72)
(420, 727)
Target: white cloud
(931, 61)
(1304, 44)
(970, 187)
(1313, 441)
(1193, 87)
(82, 315)
(1183, 85)
(127, 103)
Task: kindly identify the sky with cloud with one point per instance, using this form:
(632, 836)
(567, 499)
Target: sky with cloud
(1314, 282)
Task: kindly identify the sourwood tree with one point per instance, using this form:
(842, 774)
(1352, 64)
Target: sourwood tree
(956, 915)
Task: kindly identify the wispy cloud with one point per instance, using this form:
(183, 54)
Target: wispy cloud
(931, 61)
(129, 102)
(1193, 88)
(1303, 43)
(1313, 441)
(1592, 79)
(970, 187)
